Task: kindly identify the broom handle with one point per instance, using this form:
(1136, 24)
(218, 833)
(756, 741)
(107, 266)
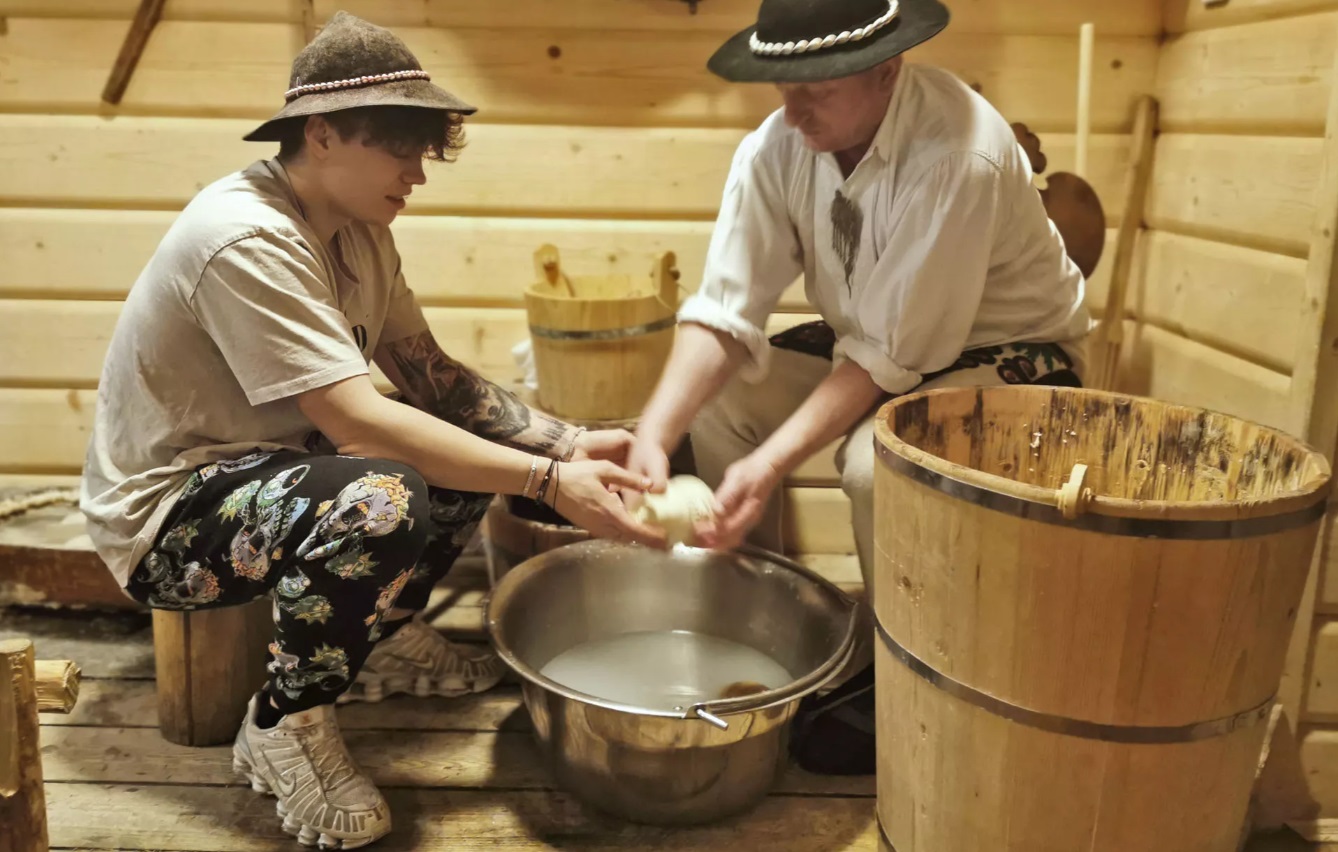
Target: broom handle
(1086, 39)
(1135, 192)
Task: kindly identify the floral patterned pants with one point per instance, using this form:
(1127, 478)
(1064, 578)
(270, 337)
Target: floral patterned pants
(338, 540)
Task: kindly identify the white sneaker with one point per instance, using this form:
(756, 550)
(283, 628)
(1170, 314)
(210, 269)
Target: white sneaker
(420, 661)
(324, 799)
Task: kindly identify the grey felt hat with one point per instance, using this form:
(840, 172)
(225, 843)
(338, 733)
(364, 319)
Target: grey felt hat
(352, 63)
(807, 41)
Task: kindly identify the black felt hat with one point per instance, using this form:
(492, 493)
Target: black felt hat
(352, 63)
(806, 41)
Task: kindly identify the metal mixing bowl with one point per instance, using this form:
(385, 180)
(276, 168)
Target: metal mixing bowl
(697, 763)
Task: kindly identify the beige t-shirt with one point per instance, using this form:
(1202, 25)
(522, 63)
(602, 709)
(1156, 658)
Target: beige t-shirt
(239, 310)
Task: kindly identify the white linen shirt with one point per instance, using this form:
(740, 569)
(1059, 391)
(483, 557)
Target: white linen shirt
(954, 248)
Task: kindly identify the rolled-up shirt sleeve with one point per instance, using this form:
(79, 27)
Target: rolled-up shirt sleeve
(917, 310)
(754, 255)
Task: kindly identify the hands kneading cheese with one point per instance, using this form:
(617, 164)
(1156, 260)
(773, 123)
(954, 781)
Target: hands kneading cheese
(686, 501)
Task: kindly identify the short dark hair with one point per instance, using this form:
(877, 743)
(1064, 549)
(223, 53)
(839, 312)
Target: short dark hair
(402, 130)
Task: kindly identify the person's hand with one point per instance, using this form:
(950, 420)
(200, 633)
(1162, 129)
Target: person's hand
(740, 501)
(586, 493)
(604, 445)
(647, 458)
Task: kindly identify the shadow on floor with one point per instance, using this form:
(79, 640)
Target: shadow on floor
(1286, 841)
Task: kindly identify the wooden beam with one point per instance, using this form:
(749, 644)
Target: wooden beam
(22, 803)
(146, 18)
(57, 686)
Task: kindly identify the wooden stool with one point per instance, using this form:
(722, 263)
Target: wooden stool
(27, 687)
(209, 663)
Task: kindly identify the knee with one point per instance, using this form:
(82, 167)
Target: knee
(381, 504)
(856, 464)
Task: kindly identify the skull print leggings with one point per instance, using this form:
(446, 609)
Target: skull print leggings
(338, 540)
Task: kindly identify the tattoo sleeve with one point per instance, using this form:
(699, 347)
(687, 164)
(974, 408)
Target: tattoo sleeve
(447, 389)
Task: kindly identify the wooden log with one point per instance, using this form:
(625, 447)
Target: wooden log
(23, 823)
(646, 78)
(1162, 364)
(1238, 300)
(1255, 191)
(990, 17)
(209, 663)
(645, 172)
(146, 18)
(1269, 78)
(1181, 16)
(57, 686)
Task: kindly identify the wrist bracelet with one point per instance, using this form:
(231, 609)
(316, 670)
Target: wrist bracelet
(543, 485)
(571, 450)
(534, 468)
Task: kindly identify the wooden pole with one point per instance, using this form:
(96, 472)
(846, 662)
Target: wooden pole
(146, 18)
(1086, 44)
(22, 803)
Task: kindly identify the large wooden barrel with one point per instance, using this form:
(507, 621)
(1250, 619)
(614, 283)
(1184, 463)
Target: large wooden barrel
(1070, 664)
(600, 343)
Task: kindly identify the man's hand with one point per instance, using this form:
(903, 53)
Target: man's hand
(585, 495)
(647, 458)
(740, 500)
(604, 445)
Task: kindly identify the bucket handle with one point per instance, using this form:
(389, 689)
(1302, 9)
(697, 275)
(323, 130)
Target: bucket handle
(1074, 497)
(548, 266)
(665, 275)
(699, 711)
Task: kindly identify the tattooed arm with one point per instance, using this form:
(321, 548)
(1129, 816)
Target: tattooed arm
(436, 383)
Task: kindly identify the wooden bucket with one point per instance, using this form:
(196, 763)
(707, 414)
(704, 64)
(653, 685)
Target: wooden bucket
(517, 530)
(600, 343)
(1078, 659)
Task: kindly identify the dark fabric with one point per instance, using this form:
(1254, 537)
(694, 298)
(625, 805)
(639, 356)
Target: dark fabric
(803, 20)
(1015, 363)
(338, 540)
(834, 734)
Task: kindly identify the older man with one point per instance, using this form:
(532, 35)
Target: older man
(906, 203)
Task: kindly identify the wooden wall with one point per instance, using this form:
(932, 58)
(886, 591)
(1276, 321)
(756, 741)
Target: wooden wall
(599, 130)
(1235, 305)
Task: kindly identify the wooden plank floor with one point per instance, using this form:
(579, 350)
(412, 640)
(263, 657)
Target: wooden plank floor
(459, 774)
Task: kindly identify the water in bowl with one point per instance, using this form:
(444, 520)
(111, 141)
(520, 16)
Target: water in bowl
(663, 670)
